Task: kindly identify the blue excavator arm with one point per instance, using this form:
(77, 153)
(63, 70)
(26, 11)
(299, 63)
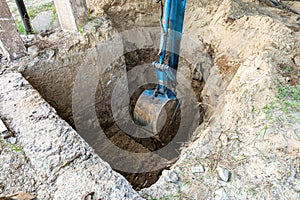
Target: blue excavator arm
(172, 25)
(156, 107)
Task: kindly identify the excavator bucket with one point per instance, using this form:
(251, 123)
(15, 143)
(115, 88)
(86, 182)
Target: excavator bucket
(154, 113)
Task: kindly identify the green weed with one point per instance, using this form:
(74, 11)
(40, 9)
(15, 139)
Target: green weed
(253, 191)
(269, 107)
(288, 91)
(89, 13)
(255, 110)
(240, 158)
(15, 148)
(54, 16)
(262, 132)
(287, 100)
(288, 97)
(287, 69)
(20, 27)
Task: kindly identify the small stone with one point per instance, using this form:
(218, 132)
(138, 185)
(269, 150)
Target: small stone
(221, 194)
(50, 53)
(224, 139)
(33, 50)
(12, 140)
(297, 60)
(32, 181)
(2, 127)
(28, 38)
(197, 169)
(170, 176)
(223, 173)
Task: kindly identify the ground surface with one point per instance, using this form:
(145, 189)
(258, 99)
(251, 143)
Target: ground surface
(249, 145)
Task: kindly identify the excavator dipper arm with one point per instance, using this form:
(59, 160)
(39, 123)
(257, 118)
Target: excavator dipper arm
(154, 108)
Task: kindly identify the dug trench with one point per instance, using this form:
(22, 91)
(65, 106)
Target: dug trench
(56, 78)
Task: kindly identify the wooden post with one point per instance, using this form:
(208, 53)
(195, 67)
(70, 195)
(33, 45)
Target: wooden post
(10, 40)
(72, 14)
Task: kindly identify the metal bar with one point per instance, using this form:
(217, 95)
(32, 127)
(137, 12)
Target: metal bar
(24, 16)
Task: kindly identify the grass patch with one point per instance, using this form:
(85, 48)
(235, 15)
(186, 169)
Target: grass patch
(287, 100)
(288, 97)
(54, 16)
(281, 109)
(262, 132)
(34, 11)
(20, 27)
(287, 69)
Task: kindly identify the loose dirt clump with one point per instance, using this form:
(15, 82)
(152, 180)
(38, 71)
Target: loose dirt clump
(226, 68)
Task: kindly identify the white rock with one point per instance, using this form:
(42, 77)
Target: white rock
(170, 176)
(28, 38)
(223, 173)
(2, 127)
(221, 194)
(50, 53)
(33, 50)
(224, 139)
(12, 140)
(197, 169)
